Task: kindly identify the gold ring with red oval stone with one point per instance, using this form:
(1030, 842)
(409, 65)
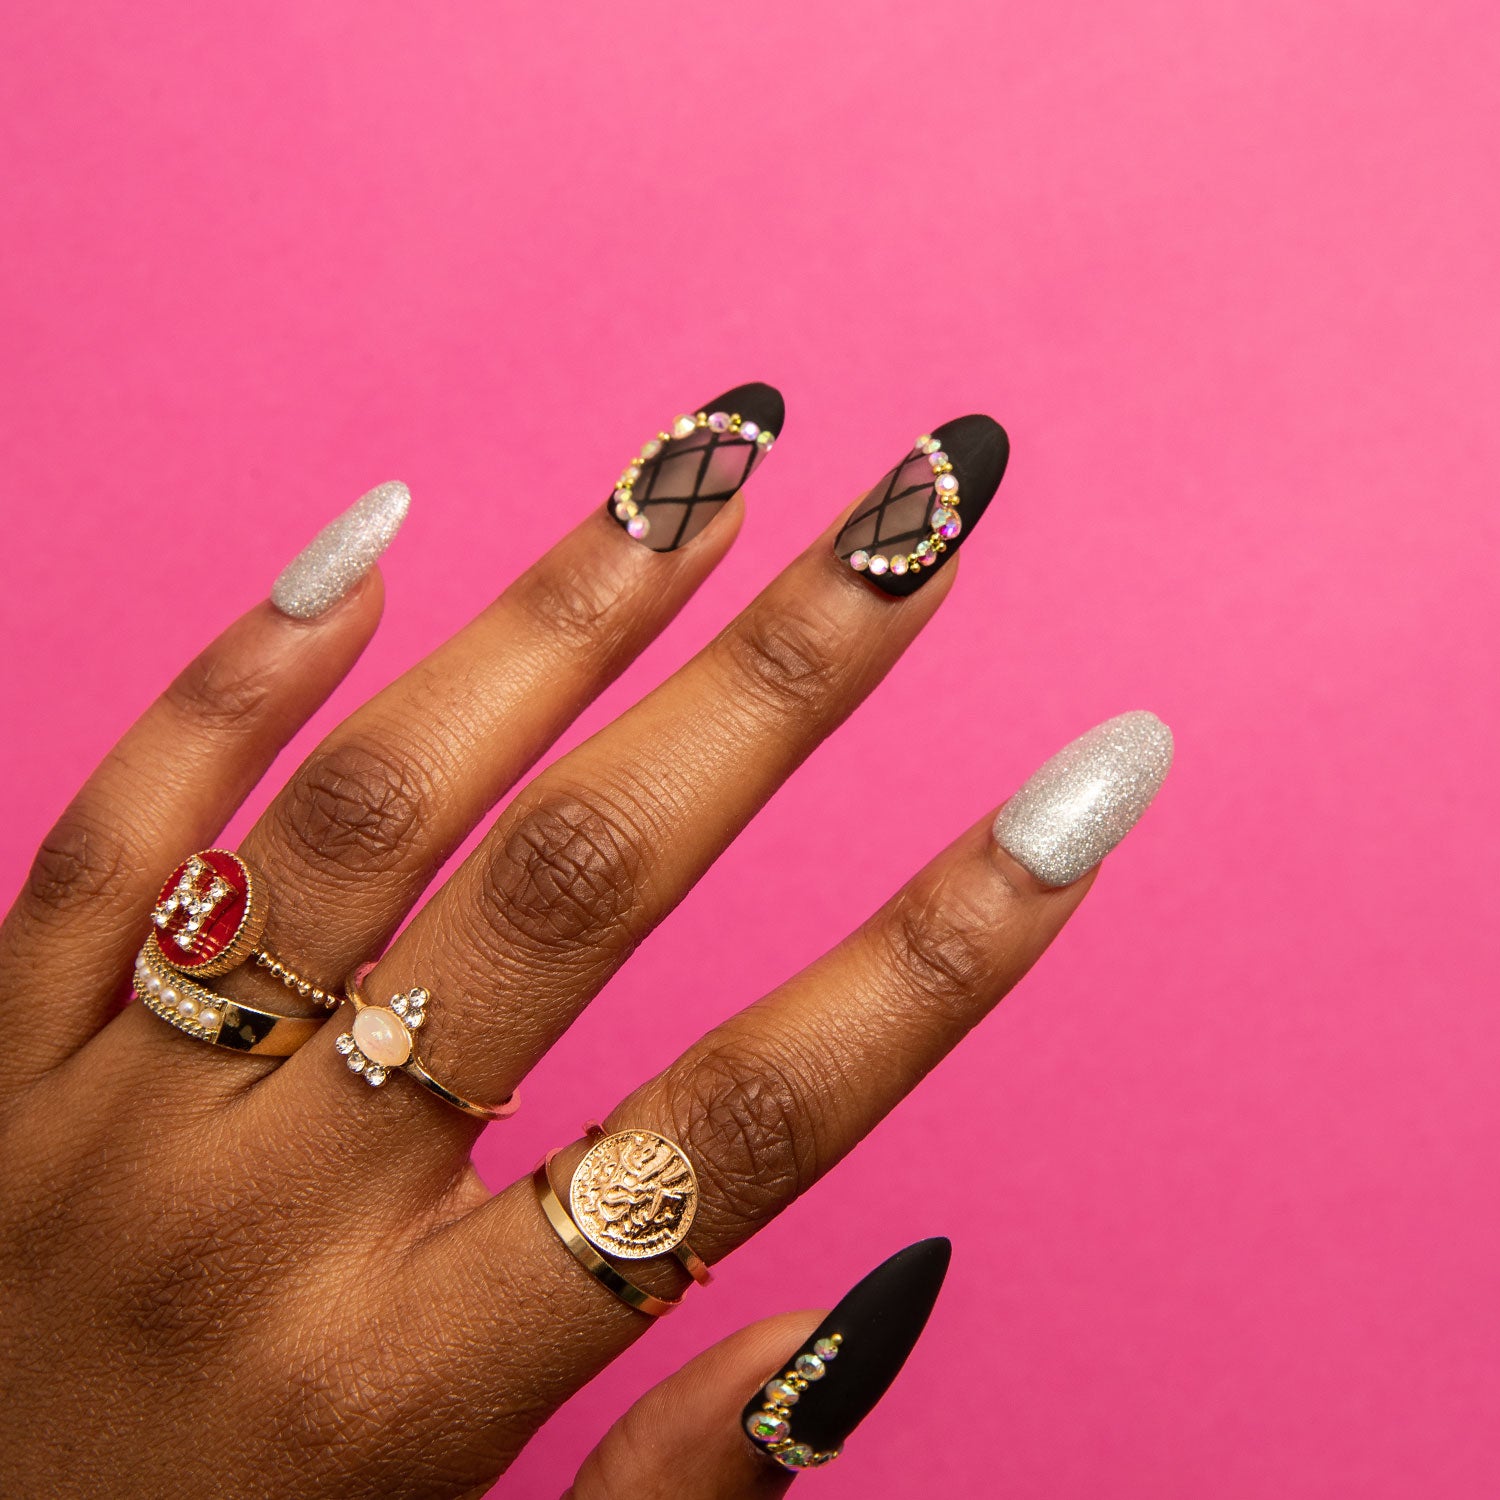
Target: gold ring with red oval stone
(209, 919)
(383, 1038)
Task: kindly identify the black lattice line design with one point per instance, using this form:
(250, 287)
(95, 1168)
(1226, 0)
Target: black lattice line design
(888, 499)
(676, 448)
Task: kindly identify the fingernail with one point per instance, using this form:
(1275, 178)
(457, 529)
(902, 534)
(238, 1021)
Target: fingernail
(917, 517)
(807, 1409)
(1074, 810)
(685, 475)
(341, 553)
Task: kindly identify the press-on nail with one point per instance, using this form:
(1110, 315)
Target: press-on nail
(686, 474)
(915, 519)
(808, 1407)
(341, 553)
(1074, 810)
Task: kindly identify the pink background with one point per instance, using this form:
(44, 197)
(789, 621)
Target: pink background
(1221, 1175)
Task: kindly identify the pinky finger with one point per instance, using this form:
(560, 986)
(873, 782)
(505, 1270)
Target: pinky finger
(809, 1383)
(175, 778)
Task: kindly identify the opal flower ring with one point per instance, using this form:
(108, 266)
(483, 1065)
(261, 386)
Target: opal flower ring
(383, 1039)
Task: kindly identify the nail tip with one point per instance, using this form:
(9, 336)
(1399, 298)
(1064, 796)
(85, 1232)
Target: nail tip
(756, 400)
(1077, 807)
(325, 570)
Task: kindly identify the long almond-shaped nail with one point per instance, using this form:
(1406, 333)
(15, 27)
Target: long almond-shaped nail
(1074, 810)
(806, 1411)
(915, 519)
(685, 475)
(341, 553)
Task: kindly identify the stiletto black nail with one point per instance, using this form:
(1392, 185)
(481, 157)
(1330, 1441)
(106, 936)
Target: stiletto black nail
(682, 478)
(914, 520)
(805, 1412)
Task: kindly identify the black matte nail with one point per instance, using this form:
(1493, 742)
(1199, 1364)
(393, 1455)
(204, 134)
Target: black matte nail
(913, 521)
(806, 1411)
(683, 477)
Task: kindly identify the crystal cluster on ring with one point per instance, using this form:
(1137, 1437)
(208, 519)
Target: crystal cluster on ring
(771, 1426)
(381, 1037)
(626, 507)
(196, 900)
(188, 1006)
(944, 524)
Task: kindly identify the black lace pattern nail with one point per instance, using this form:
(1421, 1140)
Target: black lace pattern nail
(913, 521)
(682, 477)
(803, 1415)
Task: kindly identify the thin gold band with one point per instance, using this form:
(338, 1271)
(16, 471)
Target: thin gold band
(240, 1028)
(354, 993)
(585, 1254)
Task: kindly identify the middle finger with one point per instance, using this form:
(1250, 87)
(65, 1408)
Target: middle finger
(601, 846)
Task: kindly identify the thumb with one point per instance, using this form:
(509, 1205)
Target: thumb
(810, 1383)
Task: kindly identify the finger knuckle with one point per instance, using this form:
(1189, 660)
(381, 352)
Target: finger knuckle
(576, 607)
(221, 692)
(568, 871)
(82, 861)
(749, 1117)
(942, 942)
(354, 806)
(787, 655)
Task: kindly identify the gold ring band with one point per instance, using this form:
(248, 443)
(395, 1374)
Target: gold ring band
(211, 1017)
(383, 1039)
(634, 1194)
(589, 1258)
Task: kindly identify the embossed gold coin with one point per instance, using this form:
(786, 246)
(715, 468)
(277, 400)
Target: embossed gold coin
(634, 1194)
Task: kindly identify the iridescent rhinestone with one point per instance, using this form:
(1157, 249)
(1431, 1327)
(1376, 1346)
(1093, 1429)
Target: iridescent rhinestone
(375, 1075)
(929, 560)
(631, 474)
(766, 439)
(766, 1427)
(860, 560)
(749, 431)
(899, 563)
(344, 1044)
(931, 446)
(622, 493)
(921, 443)
(810, 1367)
(826, 1349)
(950, 525)
(683, 427)
(638, 527)
(719, 421)
(625, 509)
(946, 484)
(649, 450)
(779, 1393)
(879, 564)
(937, 459)
(798, 1456)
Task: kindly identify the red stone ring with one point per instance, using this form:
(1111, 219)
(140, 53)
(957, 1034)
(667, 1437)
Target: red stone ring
(210, 917)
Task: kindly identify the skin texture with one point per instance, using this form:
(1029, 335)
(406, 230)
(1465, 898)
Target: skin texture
(209, 1282)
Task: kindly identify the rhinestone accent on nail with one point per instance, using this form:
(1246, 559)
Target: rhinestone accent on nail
(944, 523)
(771, 1425)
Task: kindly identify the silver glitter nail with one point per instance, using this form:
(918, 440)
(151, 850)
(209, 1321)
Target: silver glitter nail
(341, 553)
(1074, 810)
